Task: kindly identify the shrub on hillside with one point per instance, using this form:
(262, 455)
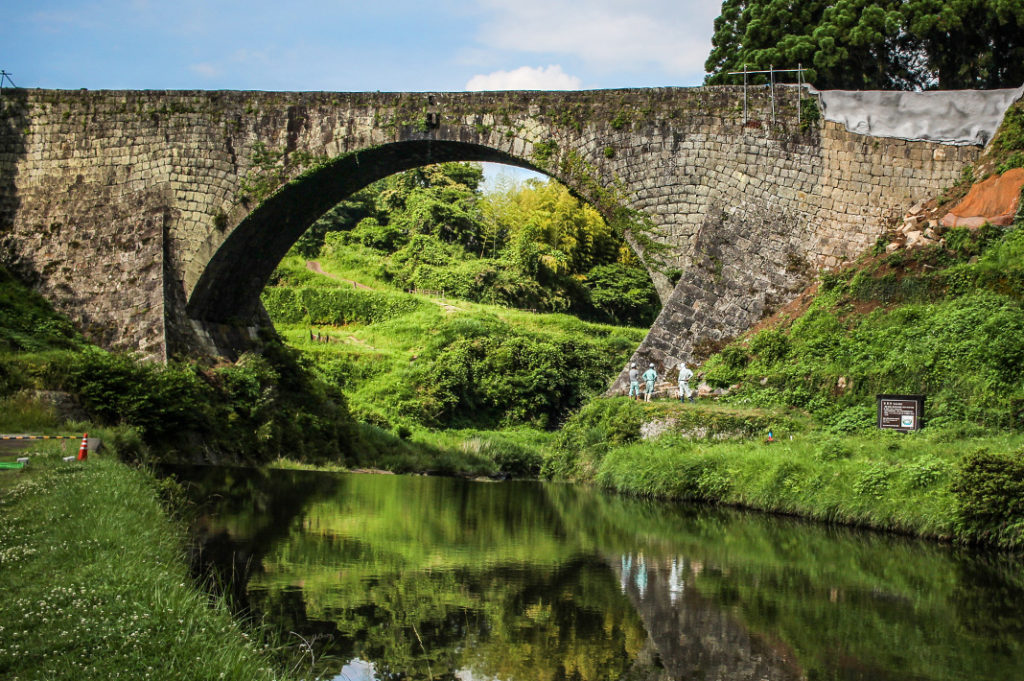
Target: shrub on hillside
(510, 378)
(322, 306)
(989, 489)
(161, 401)
(962, 345)
(369, 232)
(771, 345)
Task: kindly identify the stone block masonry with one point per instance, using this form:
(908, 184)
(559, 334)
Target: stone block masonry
(155, 218)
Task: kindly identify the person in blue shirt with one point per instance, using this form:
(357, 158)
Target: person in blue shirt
(650, 376)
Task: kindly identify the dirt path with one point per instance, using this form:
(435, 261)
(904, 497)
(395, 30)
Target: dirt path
(314, 266)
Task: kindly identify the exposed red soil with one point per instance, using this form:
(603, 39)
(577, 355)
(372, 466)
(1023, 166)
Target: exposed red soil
(994, 200)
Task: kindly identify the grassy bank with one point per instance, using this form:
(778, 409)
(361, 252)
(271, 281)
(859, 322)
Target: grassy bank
(956, 483)
(97, 586)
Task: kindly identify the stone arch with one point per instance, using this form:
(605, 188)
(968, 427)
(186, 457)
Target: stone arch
(227, 286)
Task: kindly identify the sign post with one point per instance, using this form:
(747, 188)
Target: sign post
(901, 412)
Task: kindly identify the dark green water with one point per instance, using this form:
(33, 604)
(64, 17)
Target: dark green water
(392, 577)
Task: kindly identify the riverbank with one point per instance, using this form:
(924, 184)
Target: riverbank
(98, 587)
(949, 483)
(952, 483)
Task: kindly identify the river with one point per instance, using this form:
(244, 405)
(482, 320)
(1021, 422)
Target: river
(414, 577)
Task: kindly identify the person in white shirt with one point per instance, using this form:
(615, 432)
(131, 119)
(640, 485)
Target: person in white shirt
(685, 392)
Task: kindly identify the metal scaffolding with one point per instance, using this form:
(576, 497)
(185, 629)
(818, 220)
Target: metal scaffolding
(771, 71)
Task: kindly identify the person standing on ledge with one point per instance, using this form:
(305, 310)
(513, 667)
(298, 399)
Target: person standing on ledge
(685, 374)
(634, 382)
(650, 376)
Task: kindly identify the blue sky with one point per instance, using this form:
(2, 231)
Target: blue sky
(340, 45)
(355, 46)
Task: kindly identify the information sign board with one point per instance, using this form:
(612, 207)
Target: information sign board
(901, 412)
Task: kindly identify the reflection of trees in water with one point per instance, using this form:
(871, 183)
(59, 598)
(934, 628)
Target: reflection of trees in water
(834, 602)
(240, 514)
(425, 576)
(507, 623)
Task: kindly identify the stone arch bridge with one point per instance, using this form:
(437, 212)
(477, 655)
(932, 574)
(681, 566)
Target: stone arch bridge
(153, 218)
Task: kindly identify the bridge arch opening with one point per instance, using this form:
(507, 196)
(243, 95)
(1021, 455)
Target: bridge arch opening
(395, 355)
(227, 289)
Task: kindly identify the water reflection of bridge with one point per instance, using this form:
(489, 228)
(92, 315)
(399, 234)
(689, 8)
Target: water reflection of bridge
(690, 637)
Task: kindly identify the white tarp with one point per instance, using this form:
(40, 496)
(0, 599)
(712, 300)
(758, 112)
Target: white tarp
(946, 116)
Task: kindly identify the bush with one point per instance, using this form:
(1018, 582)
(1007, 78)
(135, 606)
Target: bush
(588, 435)
(852, 419)
(369, 232)
(770, 345)
(989, 489)
(833, 449)
(874, 480)
(161, 402)
(510, 378)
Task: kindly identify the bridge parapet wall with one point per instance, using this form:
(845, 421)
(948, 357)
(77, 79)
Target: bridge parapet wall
(135, 212)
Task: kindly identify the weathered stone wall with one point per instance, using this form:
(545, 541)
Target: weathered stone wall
(154, 218)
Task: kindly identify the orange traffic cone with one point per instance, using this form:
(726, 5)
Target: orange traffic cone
(83, 451)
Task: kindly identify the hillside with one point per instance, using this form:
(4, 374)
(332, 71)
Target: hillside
(423, 361)
(52, 381)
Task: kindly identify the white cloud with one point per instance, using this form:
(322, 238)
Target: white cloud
(525, 78)
(674, 35)
(205, 69)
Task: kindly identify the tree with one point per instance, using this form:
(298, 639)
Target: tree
(425, 199)
(874, 44)
(970, 43)
(343, 216)
(624, 294)
(565, 235)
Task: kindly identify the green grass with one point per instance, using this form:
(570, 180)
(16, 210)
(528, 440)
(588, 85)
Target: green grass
(904, 489)
(96, 584)
(950, 483)
(414, 362)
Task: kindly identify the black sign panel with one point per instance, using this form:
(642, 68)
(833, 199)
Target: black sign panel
(901, 412)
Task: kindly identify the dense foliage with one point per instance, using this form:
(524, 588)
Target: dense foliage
(408, 361)
(259, 408)
(990, 490)
(874, 44)
(944, 322)
(533, 246)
